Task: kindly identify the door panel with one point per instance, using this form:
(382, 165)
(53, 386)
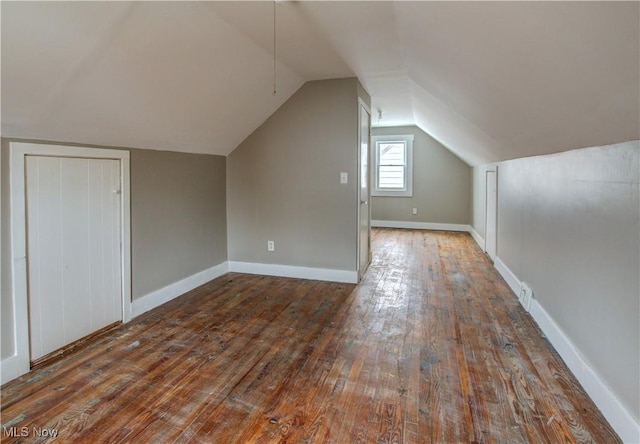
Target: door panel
(364, 192)
(491, 234)
(73, 235)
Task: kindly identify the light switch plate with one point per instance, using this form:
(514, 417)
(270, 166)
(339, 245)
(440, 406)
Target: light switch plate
(344, 178)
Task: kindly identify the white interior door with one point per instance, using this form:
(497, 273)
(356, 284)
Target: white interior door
(364, 216)
(73, 245)
(491, 226)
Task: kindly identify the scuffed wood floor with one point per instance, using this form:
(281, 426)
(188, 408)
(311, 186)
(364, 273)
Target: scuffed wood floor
(432, 347)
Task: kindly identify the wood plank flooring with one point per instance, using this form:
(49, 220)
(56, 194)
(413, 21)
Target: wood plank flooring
(432, 347)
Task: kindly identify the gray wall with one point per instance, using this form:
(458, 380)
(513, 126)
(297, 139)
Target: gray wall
(568, 224)
(283, 182)
(178, 218)
(441, 184)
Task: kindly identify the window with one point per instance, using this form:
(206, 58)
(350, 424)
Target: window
(393, 171)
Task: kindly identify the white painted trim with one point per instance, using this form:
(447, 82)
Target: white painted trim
(493, 254)
(476, 237)
(172, 291)
(613, 410)
(408, 139)
(125, 221)
(19, 363)
(359, 266)
(419, 225)
(11, 368)
(508, 275)
(366, 107)
(320, 274)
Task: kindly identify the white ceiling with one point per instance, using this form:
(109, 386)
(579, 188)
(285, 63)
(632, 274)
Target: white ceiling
(490, 80)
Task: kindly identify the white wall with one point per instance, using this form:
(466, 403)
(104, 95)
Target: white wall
(568, 224)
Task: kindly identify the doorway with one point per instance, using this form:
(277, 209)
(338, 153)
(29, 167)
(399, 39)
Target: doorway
(25, 159)
(491, 220)
(364, 191)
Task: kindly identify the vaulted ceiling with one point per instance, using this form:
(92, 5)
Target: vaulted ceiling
(489, 80)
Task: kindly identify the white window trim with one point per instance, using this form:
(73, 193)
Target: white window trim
(408, 190)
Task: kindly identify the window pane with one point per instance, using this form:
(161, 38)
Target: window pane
(392, 153)
(391, 177)
(392, 165)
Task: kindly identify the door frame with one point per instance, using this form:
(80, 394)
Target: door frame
(19, 363)
(361, 105)
(494, 250)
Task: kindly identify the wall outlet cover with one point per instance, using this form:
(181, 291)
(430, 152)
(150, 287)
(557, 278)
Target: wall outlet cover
(525, 296)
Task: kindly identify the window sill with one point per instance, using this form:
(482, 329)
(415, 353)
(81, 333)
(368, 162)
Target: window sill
(391, 194)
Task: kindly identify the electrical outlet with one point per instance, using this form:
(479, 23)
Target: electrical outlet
(271, 246)
(414, 211)
(526, 294)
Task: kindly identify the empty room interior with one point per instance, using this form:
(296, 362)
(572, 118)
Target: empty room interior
(320, 221)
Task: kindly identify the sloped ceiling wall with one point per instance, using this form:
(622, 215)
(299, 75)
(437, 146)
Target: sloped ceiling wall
(491, 81)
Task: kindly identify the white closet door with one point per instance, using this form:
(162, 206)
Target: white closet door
(491, 225)
(73, 233)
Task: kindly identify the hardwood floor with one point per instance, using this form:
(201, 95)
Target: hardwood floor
(432, 347)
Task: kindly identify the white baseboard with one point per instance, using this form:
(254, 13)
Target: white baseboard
(12, 367)
(613, 410)
(430, 226)
(511, 279)
(172, 291)
(419, 225)
(476, 236)
(616, 413)
(320, 274)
